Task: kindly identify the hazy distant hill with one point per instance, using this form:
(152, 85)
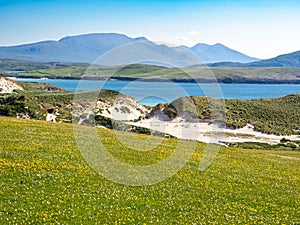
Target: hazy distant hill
(87, 48)
(291, 60)
(286, 60)
(220, 53)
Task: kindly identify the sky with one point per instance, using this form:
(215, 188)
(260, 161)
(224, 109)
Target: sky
(258, 28)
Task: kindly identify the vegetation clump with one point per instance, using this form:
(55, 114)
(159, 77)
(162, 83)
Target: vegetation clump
(286, 145)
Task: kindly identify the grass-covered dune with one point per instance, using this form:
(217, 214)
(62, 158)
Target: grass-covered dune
(45, 180)
(280, 116)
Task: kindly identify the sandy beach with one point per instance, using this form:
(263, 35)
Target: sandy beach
(209, 133)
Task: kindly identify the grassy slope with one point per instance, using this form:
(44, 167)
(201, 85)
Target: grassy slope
(21, 65)
(274, 116)
(279, 116)
(156, 72)
(45, 180)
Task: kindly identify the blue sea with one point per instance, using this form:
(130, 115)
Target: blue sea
(152, 93)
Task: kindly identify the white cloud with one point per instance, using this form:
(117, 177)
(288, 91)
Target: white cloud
(193, 32)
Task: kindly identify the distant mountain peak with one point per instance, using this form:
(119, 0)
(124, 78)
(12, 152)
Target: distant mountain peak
(207, 45)
(93, 35)
(141, 39)
(218, 44)
(201, 45)
(220, 53)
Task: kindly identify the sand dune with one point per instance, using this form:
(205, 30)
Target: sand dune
(8, 86)
(209, 133)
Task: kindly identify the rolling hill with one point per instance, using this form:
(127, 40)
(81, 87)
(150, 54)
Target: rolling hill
(290, 60)
(271, 75)
(286, 60)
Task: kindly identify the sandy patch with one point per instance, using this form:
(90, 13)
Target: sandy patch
(8, 86)
(209, 133)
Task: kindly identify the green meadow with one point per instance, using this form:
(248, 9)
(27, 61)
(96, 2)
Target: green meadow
(46, 180)
(140, 71)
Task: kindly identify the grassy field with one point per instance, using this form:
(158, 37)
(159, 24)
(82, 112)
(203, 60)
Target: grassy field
(45, 180)
(23, 65)
(223, 74)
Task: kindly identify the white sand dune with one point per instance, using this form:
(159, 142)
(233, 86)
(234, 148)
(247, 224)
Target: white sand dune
(209, 133)
(8, 86)
(124, 108)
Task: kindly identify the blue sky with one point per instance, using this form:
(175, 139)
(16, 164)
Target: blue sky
(259, 28)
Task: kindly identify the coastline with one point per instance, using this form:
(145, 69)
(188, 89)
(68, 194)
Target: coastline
(175, 80)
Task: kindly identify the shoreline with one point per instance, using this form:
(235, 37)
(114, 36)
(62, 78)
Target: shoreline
(175, 80)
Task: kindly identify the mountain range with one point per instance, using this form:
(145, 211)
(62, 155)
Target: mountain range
(88, 48)
(110, 49)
